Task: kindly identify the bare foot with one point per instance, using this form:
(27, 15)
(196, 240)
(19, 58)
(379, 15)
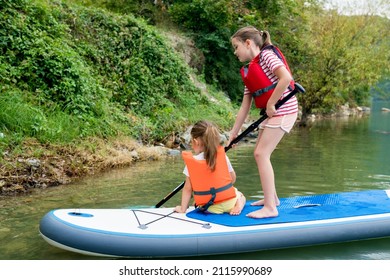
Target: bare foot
(261, 202)
(263, 213)
(240, 203)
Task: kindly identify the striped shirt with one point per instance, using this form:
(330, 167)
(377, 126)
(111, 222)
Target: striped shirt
(270, 62)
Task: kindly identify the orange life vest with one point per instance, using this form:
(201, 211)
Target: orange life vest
(209, 187)
(257, 82)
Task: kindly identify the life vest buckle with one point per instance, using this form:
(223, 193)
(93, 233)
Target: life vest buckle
(213, 191)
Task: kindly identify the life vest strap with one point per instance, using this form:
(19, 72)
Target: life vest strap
(261, 91)
(213, 191)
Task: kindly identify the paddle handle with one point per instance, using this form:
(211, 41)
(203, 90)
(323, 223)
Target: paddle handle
(253, 126)
(172, 193)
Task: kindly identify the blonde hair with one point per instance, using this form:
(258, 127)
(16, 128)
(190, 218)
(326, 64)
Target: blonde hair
(208, 133)
(261, 38)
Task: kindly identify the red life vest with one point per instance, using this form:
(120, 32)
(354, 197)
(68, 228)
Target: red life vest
(257, 82)
(209, 187)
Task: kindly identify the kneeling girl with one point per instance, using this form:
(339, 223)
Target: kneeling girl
(209, 174)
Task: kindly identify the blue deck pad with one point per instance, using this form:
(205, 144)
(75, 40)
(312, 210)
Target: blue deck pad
(308, 208)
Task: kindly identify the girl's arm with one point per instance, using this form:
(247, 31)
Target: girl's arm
(233, 176)
(185, 197)
(284, 81)
(241, 116)
(231, 170)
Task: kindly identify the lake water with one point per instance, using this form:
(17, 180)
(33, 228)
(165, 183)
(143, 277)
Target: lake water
(346, 154)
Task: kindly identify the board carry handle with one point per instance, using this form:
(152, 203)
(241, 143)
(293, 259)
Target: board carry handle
(252, 127)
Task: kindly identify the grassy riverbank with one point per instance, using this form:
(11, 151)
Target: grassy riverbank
(83, 90)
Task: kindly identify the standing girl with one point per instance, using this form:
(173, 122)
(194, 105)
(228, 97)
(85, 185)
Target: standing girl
(209, 174)
(267, 79)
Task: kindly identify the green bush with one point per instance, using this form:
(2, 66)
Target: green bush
(75, 72)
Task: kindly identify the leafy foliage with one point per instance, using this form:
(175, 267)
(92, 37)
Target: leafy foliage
(77, 72)
(213, 22)
(352, 58)
(334, 57)
(310, 37)
(209, 23)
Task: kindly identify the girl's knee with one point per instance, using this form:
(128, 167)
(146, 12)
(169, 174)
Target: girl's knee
(260, 154)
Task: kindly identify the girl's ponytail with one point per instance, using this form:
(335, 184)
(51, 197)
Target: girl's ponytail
(211, 142)
(266, 39)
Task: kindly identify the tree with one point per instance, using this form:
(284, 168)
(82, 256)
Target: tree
(346, 55)
(212, 22)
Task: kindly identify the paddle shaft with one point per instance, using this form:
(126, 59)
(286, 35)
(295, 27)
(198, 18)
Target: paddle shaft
(253, 126)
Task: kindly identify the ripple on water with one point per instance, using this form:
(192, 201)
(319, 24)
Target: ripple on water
(380, 177)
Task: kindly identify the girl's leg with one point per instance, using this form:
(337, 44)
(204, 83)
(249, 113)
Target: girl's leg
(266, 144)
(261, 201)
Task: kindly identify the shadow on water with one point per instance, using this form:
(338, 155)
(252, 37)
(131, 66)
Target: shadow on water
(330, 156)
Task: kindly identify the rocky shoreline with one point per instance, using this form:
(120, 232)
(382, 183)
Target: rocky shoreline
(62, 165)
(58, 165)
(46, 165)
